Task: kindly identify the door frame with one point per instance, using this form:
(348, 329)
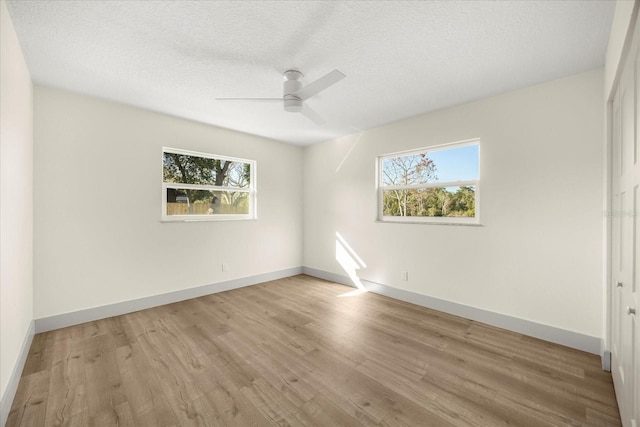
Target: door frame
(605, 347)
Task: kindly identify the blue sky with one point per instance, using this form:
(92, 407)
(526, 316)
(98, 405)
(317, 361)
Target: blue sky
(456, 164)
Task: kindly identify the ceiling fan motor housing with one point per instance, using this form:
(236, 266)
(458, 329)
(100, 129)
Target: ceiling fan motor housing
(292, 84)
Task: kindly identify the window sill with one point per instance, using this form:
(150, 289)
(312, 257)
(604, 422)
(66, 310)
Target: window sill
(462, 224)
(181, 220)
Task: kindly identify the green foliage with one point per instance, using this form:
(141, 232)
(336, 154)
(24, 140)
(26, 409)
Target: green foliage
(185, 169)
(462, 202)
(430, 202)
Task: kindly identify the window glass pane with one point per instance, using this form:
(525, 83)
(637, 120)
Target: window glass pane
(186, 169)
(231, 203)
(409, 170)
(457, 164)
(238, 175)
(447, 165)
(430, 202)
(205, 202)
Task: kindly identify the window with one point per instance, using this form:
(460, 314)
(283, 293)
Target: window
(432, 185)
(206, 187)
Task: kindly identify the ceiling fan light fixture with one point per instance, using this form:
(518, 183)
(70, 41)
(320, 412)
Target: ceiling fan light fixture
(292, 103)
(292, 84)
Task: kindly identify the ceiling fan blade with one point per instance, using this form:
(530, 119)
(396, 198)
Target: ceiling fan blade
(310, 114)
(319, 85)
(250, 99)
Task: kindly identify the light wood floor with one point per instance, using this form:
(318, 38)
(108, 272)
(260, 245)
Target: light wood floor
(291, 352)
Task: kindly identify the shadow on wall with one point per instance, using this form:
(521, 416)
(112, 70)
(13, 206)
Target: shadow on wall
(346, 156)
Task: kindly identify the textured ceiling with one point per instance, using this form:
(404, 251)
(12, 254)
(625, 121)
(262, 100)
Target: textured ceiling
(401, 58)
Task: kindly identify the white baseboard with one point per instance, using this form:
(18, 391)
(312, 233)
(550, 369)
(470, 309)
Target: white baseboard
(91, 314)
(545, 332)
(526, 327)
(14, 379)
(605, 355)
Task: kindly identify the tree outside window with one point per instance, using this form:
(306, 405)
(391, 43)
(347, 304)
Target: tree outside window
(411, 188)
(197, 184)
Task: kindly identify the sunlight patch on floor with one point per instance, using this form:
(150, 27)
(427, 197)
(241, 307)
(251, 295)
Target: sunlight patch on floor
(350, 263)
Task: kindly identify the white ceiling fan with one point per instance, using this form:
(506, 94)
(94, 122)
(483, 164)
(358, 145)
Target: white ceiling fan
(294, 94)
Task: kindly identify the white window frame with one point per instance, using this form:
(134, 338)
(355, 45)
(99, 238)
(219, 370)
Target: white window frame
(215, 217)
(475, 220)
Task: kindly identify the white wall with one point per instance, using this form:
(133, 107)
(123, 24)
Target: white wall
(538, 254)
(97, 187)
(16, 204)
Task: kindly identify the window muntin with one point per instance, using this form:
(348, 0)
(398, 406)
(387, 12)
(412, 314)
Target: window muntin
(432, 185)
(205, 187)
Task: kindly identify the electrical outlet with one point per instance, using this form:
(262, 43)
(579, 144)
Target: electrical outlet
(404, 275)
(225, 267)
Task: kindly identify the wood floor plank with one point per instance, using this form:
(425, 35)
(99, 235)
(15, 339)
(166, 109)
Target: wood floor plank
(67, 364)
(441, 411)
(232, 408)
(272, 370)
(31, 400)
(67, 402)
(145, 396)
(320, 411)
(274, 405)
(71, 333)
(39, 357)
(225, 361)
(122, 333)
(297, 351)
(117, 416)
(68, 408)
(102, 377)
(346, 388)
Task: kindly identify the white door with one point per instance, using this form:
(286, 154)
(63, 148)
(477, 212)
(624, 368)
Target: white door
(625, 250)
